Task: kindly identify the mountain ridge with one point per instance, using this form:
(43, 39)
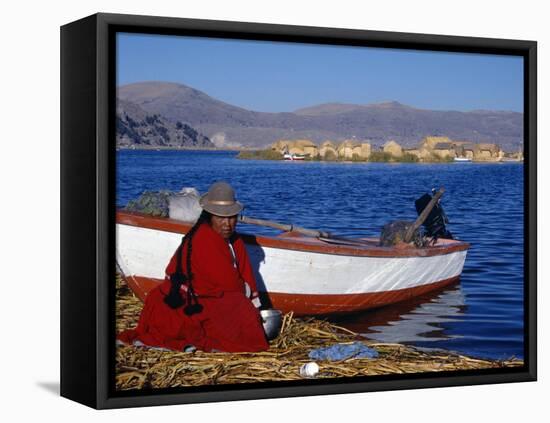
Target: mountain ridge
(226, 124)
(136, 127)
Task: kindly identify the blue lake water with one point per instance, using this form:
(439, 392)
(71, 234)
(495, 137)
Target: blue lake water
(482, 315)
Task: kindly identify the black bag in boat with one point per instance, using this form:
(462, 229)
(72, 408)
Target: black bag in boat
(434, 224)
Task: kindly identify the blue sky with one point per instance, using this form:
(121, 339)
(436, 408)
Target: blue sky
(283, 77)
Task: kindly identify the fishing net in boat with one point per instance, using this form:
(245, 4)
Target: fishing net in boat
(183, 205)
(394, 232)
(153, 203)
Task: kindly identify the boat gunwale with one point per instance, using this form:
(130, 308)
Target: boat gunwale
(304, 244)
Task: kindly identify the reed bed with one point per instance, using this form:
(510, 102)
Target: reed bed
(139, 367)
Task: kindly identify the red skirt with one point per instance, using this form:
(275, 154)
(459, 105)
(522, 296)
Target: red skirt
(227, 323)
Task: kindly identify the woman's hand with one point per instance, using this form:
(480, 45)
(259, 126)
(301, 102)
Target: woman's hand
(254, 296)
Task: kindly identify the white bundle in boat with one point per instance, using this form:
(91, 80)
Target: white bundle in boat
(184, 205)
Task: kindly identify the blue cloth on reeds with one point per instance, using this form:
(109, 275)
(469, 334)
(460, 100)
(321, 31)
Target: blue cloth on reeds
(339, 352)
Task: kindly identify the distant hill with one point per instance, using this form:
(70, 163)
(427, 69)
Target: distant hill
(135, 126)
(340, 108)
(228, 125)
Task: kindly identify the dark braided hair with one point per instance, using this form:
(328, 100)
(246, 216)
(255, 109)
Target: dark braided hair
(178, 278)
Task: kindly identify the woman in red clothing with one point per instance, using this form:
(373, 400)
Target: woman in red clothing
(209, 298)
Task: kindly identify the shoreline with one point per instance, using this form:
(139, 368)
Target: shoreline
(244, 149)
(172, 148)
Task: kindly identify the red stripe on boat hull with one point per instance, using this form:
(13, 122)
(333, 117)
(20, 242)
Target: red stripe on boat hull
(348, 303)
(307, 304)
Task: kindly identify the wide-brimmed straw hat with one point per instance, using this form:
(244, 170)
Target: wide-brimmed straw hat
(220, 200)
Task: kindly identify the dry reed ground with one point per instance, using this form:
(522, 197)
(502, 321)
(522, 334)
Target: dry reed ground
(138, 367)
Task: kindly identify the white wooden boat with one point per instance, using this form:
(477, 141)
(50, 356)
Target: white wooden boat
(462, 159)
(299, 273)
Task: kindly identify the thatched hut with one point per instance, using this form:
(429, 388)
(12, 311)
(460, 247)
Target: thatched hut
(518, 155)
(430, 142)
(468, 150)
(295, 147)
(412, 151)
(304, 143)
(328, 150)
(393, 148)
(422, 154)
(280, 145)
(444, 149)
(487, 152)
(366, 149)
(311, 150)
(345, 149)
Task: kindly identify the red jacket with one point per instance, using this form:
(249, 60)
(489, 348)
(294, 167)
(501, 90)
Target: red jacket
(228, 322)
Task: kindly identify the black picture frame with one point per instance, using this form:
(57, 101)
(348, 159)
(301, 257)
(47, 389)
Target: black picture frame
(87, 205)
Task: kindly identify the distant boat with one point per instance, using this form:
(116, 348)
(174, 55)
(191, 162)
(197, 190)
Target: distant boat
(292, 157)
(462, 159)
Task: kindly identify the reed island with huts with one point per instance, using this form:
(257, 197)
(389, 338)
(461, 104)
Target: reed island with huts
(431, 149)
